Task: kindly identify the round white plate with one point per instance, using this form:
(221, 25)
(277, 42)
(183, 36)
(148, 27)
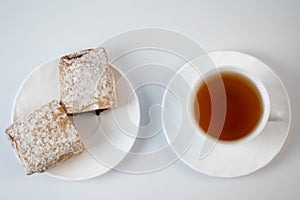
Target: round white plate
(101, 133)
(224, 160)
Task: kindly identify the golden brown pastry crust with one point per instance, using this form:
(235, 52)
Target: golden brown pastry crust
(86, 81)
(44, 138)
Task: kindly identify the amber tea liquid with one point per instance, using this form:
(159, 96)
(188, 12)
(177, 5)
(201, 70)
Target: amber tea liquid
(244, 106)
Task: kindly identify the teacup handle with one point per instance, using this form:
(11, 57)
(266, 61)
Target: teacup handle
(276, 116)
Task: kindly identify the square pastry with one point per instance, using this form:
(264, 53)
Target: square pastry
(44, 138)
(86, 81)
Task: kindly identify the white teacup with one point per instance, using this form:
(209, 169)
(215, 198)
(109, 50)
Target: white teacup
(265, 103)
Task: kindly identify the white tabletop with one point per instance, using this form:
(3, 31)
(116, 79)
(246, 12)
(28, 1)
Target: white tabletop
(33, 32)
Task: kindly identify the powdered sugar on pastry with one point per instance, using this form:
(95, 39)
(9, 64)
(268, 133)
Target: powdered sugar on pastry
(44, 138)
(86, 81)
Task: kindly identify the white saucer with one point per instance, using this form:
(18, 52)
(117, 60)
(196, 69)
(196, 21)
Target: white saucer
(224, 160)
(99, 133)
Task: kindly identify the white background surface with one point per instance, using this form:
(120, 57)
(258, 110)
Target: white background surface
(35, 31)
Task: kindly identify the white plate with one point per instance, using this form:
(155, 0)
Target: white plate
(102, 133)
(224, 160)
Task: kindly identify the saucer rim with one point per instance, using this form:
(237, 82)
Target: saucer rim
(276, 151)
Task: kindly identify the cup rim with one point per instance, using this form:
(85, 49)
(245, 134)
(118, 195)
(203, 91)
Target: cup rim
(258, 86)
